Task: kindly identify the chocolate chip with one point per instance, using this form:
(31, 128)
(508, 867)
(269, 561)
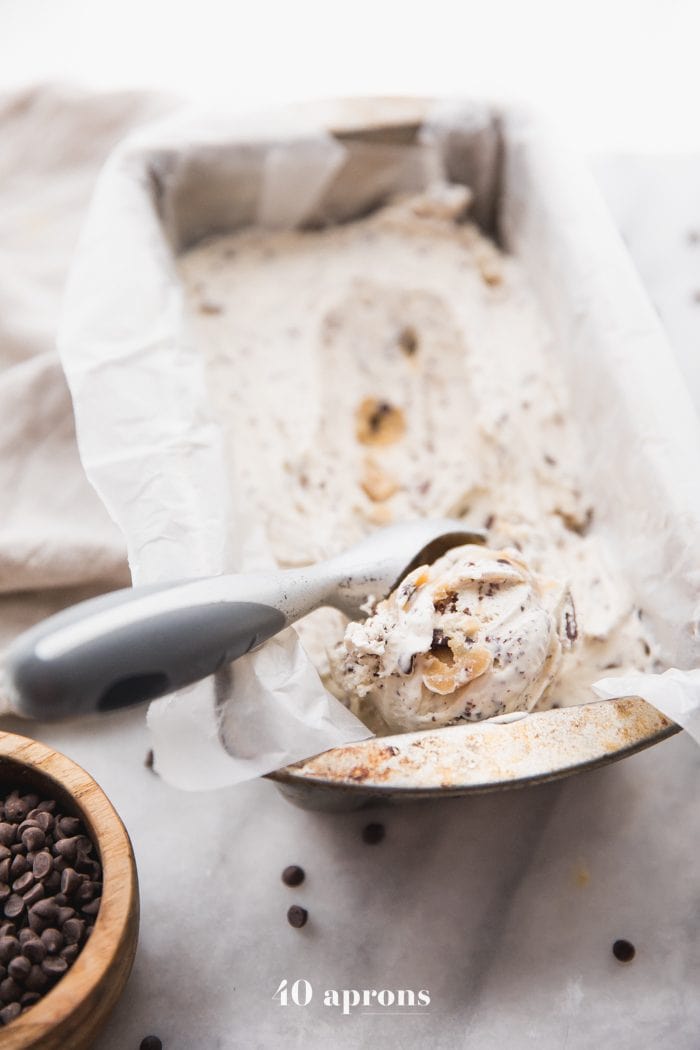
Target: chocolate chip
(37, 979)
(33, 895)
(148, 760)
(92, 907)
(34, 950)
(150, 1042)
(10, 991)
(52, 939)
(67, 848)
(408, 340)
(19, 968)
(14, 906)
(8, 833)
(293, 875)
(29, 998)
(43, 864)
(85, 891)
(67, 826)
(16, 809)
(372, 834)
(47, 805)
(33, 839)
(54, 966)
(297, 916)
(9, 947)
(70, 952)
(42, 819)
(624, 951)
(70, 880)
(9, 1012)
(18, 866)
(23, 883)
(73, 930)
(46, 909)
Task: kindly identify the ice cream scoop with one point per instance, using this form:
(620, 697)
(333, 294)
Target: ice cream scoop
(476, 634)
(143, 642)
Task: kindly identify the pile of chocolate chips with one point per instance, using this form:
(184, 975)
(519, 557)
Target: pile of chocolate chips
(50, 890)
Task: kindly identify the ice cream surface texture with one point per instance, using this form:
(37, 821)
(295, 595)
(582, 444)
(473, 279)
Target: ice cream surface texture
(473, 635)
(394, 367)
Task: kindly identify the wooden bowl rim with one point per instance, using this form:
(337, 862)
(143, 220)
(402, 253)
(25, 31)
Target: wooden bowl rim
(113, 932)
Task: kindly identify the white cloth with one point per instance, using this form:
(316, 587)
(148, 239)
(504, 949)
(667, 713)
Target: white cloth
(57, 543)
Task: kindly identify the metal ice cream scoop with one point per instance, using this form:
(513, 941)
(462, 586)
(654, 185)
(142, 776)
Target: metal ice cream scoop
(139, 643)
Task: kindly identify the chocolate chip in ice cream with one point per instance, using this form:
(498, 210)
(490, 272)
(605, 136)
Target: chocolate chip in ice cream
(378, 422)
(408, 340)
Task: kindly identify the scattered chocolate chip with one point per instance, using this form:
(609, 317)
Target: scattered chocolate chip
(293, 875)
(624, 951)
(148, 760)
(151, 1042)
(296, 916)
(372, 834)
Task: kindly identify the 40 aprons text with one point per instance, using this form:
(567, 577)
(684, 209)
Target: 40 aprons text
(301, 993)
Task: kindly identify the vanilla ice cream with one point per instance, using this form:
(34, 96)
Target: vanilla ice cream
(473, 635)
(400, 366)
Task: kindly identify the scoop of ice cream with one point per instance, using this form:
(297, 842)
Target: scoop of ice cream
(474, 635)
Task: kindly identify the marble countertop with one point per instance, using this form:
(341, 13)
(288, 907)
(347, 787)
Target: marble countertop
(503, 907)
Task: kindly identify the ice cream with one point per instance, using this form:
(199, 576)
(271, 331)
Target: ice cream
(394, 367)
(473, 635)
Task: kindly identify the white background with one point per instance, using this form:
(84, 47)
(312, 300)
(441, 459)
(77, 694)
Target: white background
(620, 74)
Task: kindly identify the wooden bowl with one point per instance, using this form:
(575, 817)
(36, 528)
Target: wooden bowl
(71, 1014)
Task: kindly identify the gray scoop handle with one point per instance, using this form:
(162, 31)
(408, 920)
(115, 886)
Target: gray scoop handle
(139, 643)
